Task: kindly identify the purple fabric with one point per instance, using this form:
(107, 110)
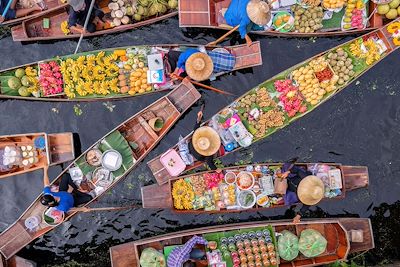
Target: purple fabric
(181, 254)
(290, 198)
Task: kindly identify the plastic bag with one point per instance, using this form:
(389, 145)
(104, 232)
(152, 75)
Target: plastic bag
(288, 245)
(152, 258)
(312, 243)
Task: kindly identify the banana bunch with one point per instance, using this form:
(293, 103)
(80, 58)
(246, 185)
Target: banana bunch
(64, 27)
(31, 72)
(372, 53)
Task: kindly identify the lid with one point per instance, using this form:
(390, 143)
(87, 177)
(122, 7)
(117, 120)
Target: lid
(111, 160)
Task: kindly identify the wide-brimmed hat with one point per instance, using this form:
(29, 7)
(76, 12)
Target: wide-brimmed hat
(311, 190)
(199, 66)
(258, 12)
(206, 141)
(76, 5)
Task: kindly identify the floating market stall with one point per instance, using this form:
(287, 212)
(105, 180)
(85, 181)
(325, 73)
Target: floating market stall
(104, 164)
(251, 187)
(298, 18)
(22, 153)
(120, 15)
(261, 244)
(108, 74)
(286, 97)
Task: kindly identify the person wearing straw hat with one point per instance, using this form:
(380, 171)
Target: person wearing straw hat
(205, 142)
(78, 11)
(244, 13)
(200, 66)
(13, 12)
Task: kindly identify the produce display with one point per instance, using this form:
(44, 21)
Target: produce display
(243, 188)
(307, 20)
(394, 30)
(355, 15)
(50, 78)
(390, 10)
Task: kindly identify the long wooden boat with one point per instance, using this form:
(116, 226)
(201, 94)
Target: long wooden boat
(337, 232)
(208, 14)
(58, 148)
(32, 29)
(246, 57)
(273, 106)
(162, 196)
(133, 139)
(50, 6)
(16, 261)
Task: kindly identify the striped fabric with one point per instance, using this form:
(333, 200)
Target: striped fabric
(181, 254)
(222, 61)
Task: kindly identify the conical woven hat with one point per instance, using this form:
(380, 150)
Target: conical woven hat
(206, 141)
(199, 66)
(310, 190)
(258, 12)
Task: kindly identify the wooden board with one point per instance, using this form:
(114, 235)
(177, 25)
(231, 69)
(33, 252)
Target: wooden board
(338, 241)
(355, 177)
(366, 227)
(17, 236)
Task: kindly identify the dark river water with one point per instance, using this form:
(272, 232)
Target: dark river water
(359, 126)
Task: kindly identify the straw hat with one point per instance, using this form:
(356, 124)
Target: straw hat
(199, 66)
(206, 141)
(310, 190)
(258, 12)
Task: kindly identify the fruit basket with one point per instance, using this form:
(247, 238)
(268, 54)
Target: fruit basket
(283, 21)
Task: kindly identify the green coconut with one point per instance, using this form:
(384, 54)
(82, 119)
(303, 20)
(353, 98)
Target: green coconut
(392, 14)
(19, 73)
(25, 81)
(383, 9)
(23, 91)
(394, 4)
(14, 83)
(173, 4)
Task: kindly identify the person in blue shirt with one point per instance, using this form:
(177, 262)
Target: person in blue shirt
(14, 13)
(63, 200)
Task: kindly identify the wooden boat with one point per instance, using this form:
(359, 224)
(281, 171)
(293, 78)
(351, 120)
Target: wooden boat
(208, 14)
(16, 261)
(246, 57)
(32, 29)
(133, 139)
(162, 175)
(50, 4)
(59, 148)
(337, 232)
(161, 196)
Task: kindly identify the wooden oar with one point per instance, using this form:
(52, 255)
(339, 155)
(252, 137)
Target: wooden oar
(223, 36)
(85, 25)
(113, 208)
(203, 85)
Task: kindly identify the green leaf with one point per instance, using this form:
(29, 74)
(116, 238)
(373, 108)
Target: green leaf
(116, 141)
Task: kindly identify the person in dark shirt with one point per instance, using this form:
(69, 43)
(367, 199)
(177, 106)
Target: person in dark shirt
(78, 11)
(63, 200)
(207, 159)
(14, 13)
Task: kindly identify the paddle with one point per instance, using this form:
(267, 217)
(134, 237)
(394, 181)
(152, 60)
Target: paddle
(85, 25)
(6, 10)
(113, 208)
(202, 85)
(223, 36)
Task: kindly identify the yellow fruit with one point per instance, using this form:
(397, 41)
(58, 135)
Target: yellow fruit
(131, 92)
(144, 81)
(321, 92)
(141, 91)
(314, 102)
(149, 88)
(127, 67)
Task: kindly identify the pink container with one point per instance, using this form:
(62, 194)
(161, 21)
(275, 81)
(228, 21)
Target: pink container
(172, 162)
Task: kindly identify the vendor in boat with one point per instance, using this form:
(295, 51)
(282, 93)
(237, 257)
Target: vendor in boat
(78, 11)
(301, 186)
(63, 200)
(246, 13)
(200, 66)
(13, 12)
(205, 143)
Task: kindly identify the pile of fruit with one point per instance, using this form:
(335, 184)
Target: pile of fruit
(50, 78)
(133, 71)
(371, 52)
(394, 29)
(90, 74)
(333, 4)
(25, 81)
(354, 15)
(390, 10)
(283, 22)
(342, 65)
(290, 97)
(148, 8)
(183, 195)
(307, 20)
(120, 12)
(310, 2)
